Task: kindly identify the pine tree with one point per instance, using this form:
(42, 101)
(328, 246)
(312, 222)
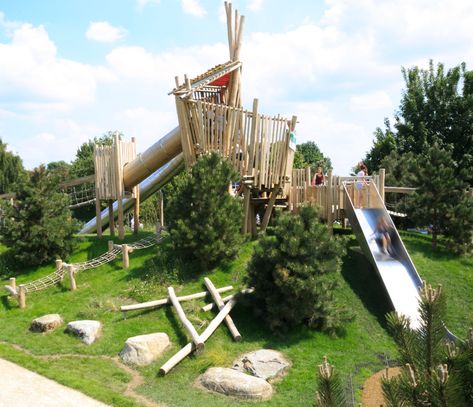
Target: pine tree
(330, 389)
(38, 226)
(295, 274)
(11, 169)
(440, 199)
(204, 220)
(426, 376)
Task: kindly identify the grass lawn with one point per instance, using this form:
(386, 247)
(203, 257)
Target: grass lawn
(95, 370)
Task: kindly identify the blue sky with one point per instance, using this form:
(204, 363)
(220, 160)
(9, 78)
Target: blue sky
(73, 70)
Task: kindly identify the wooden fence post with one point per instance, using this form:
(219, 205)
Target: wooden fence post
(110, 245)
(382, 177)
(22, 296)
(72, 279)
(125, 255)
(330, 201)
(13, 283)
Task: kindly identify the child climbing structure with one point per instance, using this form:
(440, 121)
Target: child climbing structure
(211, 119)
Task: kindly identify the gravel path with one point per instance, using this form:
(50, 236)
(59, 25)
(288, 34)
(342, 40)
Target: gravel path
(22, 387)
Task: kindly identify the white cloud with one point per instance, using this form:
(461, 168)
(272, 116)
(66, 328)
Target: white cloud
(32, 71)
(193, 7)
(255, 5)
(103, 31)
(371, 101)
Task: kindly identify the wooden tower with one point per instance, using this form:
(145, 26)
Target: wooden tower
(109, 162)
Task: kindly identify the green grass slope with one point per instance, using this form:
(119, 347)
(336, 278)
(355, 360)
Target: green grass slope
(357, 353)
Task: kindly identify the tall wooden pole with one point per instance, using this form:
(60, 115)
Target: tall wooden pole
(111, 218)
(382, 177)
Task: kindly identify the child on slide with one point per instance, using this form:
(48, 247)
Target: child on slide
(382, 235)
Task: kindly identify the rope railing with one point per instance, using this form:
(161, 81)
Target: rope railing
(57, 276)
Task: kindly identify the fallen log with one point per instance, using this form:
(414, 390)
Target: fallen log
(186, 350)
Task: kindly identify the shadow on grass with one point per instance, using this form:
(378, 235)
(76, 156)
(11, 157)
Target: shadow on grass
(176, 326)
(366, 284)
(6, 304)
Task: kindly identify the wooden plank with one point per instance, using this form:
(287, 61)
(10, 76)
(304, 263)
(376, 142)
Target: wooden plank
(76, 181)
(269, 209)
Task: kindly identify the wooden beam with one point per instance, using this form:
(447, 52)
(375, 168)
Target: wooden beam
(196, 339)
(111, 218)
(77, 181)
(164, 301)
(400, 190)
(220, 304)
(269, 208)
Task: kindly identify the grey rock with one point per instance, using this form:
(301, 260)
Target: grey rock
(237, 384)
(144, 349)
(264, 363)
(87, 331)
(46, 323)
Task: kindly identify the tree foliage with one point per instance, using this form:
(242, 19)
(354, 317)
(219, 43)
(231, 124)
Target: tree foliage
(436, 107)
(38, 226)
(204, 220)
(440, 199)
(430, 365)
(11, 169)
(83, 164)
(309, 155)
(330, 391)
(295, 274)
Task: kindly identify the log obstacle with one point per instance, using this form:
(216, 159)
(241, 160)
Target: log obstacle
(186, 350)
(164, 301)
(196, 339)
(211, 306)
(219, 302)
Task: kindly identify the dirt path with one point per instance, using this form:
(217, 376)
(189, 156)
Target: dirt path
(22, 387)
(136, 378)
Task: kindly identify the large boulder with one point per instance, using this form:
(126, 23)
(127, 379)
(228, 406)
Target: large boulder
(46, 323)
(264, 363)
(87, 331)
(234, 383)
(144, 349)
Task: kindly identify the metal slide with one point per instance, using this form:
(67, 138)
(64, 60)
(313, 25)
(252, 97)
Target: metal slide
(151, 170)
(396, 270)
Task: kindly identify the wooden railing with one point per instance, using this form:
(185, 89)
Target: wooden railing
(257, 145)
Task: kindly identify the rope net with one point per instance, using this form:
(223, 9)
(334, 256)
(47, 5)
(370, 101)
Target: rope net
(54, 278)
(81, 195)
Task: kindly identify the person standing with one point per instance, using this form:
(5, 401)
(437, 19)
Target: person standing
(318, 178)
(360, 183)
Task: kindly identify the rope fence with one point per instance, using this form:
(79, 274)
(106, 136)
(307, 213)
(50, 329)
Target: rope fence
(57, 276)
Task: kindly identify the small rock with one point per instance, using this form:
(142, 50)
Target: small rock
(144, 349)
(46, 323)
(264, 363)
(237, 384)
(87, 331)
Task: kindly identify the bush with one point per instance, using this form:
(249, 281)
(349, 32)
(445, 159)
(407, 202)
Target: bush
(38, 226)
(295, 274)
(203, 219)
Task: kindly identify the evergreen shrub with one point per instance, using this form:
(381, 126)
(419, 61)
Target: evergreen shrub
(203, 219)
(38, 227)
(295, 272)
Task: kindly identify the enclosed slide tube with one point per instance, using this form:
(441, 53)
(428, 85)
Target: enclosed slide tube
(165, 156)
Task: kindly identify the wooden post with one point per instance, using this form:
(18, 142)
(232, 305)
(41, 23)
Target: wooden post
(196, 339)
(125, 256)
(330, 201)
(220, 304)
(161, 208)
(72, 279)
(382, 177)
(98, 215)
(13, 283)
(22, 296)
(252, 220)
(111, 218)
(110, 245)
(269, 209)
(58, 264)
(246, 208)
(136, 206)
